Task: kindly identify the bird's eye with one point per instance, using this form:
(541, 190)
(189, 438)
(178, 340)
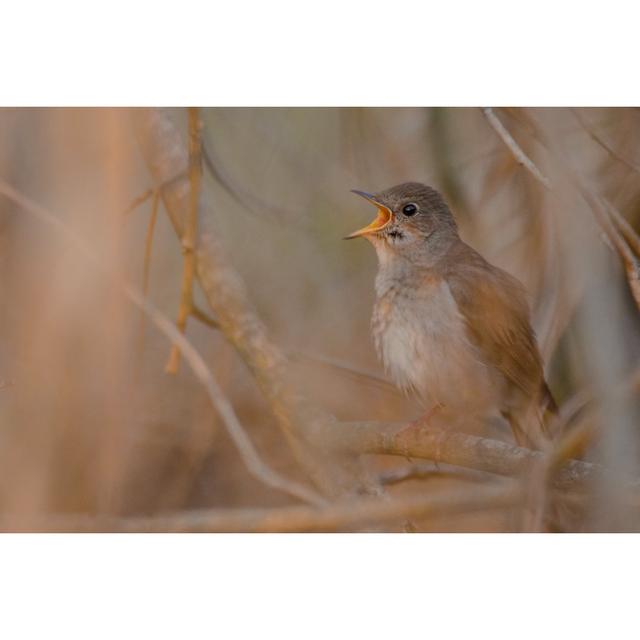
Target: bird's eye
(410, 209)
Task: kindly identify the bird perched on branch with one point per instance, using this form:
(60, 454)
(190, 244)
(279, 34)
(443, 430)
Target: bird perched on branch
(448, 325)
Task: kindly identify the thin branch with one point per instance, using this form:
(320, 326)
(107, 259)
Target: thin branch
(628, 232)
(429, 470)
(599, 206)
(515, 148)
(607, 147)
(204, 317)
(250, 201)
(190, 231)
(302, 356)
(146, 269)
(345, 368)
(604, 217)
(248, 453)
(163, 150)
(151, 191)
(138, 200)
(352, 515)
(227, 299)
(455, 448)
(362, 437)
(148, 242)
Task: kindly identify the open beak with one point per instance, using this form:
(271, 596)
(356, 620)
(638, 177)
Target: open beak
(382, 219)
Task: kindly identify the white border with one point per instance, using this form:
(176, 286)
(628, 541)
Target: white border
(319, 586)
(332, 53)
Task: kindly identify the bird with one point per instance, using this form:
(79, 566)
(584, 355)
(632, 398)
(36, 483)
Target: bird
(448, 326)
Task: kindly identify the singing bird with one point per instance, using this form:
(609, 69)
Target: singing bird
(448, 325)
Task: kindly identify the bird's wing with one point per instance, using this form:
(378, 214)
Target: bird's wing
(494, 307)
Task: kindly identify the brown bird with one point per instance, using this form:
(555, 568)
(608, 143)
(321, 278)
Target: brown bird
(448, 325)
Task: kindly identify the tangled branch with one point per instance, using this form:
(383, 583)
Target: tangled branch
(254, 463)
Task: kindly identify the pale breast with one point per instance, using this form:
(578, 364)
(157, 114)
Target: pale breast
(423, 343)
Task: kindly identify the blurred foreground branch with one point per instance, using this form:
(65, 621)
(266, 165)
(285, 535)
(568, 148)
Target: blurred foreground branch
(603, 143)
(164, 152)
(618, 232)
(350, 515)
(248, 453)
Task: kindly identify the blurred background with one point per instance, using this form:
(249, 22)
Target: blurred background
(90, 423)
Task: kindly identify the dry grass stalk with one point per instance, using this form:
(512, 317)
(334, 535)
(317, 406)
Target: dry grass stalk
(190, 233)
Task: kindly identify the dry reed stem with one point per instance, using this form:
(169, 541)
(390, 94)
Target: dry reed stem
(515, 148)
(190, 232)
(249, 455)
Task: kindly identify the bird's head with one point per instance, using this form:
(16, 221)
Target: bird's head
(408, 215)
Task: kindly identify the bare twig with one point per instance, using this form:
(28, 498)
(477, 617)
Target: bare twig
(607, 147)
(605, 219)
(138, 200)
(515, 148)
(148, 243)
(352, 515)
(227, 299)
(248, 453)
(599, 206)
(454, 448)
(164, 153)
(428, 470)
(325, 361)
(365, 437)
(146, 268)
(190, 231)
(628, 232)
(204, 317)
(151, 191)
(345, 368)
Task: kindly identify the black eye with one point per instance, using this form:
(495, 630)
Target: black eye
(409, 209)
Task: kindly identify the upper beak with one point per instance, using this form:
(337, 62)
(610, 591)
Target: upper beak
(382, 219)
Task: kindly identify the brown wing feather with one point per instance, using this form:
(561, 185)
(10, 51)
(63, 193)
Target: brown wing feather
(495, 309)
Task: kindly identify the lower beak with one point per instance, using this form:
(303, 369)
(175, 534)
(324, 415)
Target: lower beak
(382, 219)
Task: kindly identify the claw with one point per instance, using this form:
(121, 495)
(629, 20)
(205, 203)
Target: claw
(420, 423)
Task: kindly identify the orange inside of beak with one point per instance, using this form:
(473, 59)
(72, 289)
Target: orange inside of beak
(382, 220)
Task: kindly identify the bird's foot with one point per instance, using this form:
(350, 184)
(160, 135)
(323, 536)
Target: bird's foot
(415, 426)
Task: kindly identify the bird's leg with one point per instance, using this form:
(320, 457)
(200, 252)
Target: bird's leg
(425, 418)
(423, 421)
